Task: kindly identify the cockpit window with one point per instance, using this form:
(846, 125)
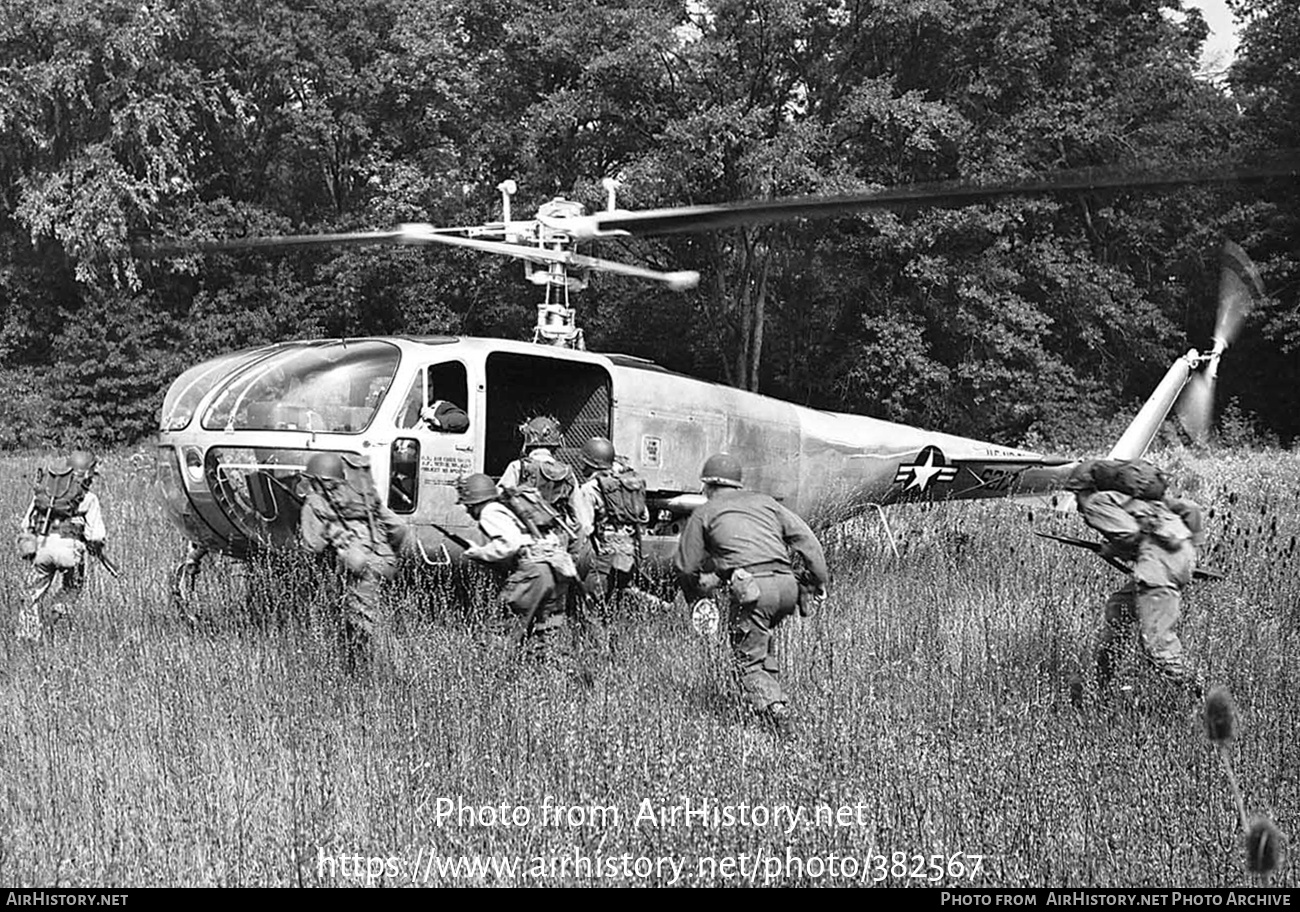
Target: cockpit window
(334, 388)
(185, 392)
(447, 388)
(409, 417)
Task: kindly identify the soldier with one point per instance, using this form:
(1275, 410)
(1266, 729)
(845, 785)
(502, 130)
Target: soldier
(343, 514)
(748, 538)
(446, 417)
(540, 567)
(63, 522)
(613, 494)
(538, 468)
(1127, 502)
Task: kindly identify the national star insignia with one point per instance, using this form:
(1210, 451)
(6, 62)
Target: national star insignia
(930, 466)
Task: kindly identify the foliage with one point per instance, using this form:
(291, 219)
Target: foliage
(111, 371)
(26, 409)
(218, 118)
(1266, 79)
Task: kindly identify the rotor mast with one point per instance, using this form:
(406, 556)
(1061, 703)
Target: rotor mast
(556, 323)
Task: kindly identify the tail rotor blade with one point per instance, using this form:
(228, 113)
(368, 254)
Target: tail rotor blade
(1239, 288)
(1196, 407)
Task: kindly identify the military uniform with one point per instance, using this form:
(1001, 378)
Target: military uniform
(746, 538)
(615, 527)
(1159, 535)
(556, 482)
(60, 553)
(344, 515)
(545, 464)
(445, 416)
(540, 567)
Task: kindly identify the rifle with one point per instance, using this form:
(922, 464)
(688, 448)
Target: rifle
(46, 523)
(97, 549)
(452, 536)
(1096, 548)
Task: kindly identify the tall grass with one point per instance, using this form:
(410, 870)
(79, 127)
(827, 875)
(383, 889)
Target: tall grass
(932, 693)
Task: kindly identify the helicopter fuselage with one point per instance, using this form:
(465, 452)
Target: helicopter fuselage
(237, 431)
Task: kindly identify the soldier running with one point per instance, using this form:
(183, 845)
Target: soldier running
(747, 537)
(343, 514)
(537, 558)
(1127, 502)
(63, 522)
(613, 495)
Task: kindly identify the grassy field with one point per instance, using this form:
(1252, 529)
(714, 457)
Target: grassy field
(935, 723)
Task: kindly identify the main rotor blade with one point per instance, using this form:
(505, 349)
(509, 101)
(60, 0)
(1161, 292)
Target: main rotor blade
(181, 248)
(945, 193)
(151, 250)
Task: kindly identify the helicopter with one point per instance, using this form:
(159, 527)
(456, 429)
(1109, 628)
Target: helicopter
(237, 431)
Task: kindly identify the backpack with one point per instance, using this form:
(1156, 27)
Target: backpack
(554, 481)
(624, 496)
(353, 504)
(532, 509)
(58, 494)
(1139, 478)
(354, 497)
(1134, 477)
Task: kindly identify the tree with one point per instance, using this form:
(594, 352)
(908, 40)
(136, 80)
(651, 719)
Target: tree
(203, 118)
(1265, 79)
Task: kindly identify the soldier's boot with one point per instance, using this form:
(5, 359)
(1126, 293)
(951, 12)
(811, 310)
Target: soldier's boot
(1171, 665)
(63, 608)
(779, 720)
(358, 653)
(589, 635)
(550, 644)
(1075, 685)
(1186, 679)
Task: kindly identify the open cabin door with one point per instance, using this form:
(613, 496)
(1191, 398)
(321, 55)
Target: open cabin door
(576, 394)
(425, 461)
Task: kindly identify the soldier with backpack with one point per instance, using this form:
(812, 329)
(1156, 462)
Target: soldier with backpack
(538, 468)
(63, 522)
(524, 535)
(1127, 501)
(343, 514)
(613, 494)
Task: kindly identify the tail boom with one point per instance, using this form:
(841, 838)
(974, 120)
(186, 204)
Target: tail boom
(1142, 430)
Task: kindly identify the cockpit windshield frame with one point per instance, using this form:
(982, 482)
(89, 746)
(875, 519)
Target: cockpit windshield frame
(325, 387)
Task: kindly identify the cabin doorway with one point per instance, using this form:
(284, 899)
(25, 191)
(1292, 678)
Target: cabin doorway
(576, 394)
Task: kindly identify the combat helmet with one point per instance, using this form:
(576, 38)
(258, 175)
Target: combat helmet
(598, 453)
(475, 489)
(325, 465)
(541, 432)
(723, 470)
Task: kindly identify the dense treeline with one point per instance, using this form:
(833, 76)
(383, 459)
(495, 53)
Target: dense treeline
(1024, 320)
